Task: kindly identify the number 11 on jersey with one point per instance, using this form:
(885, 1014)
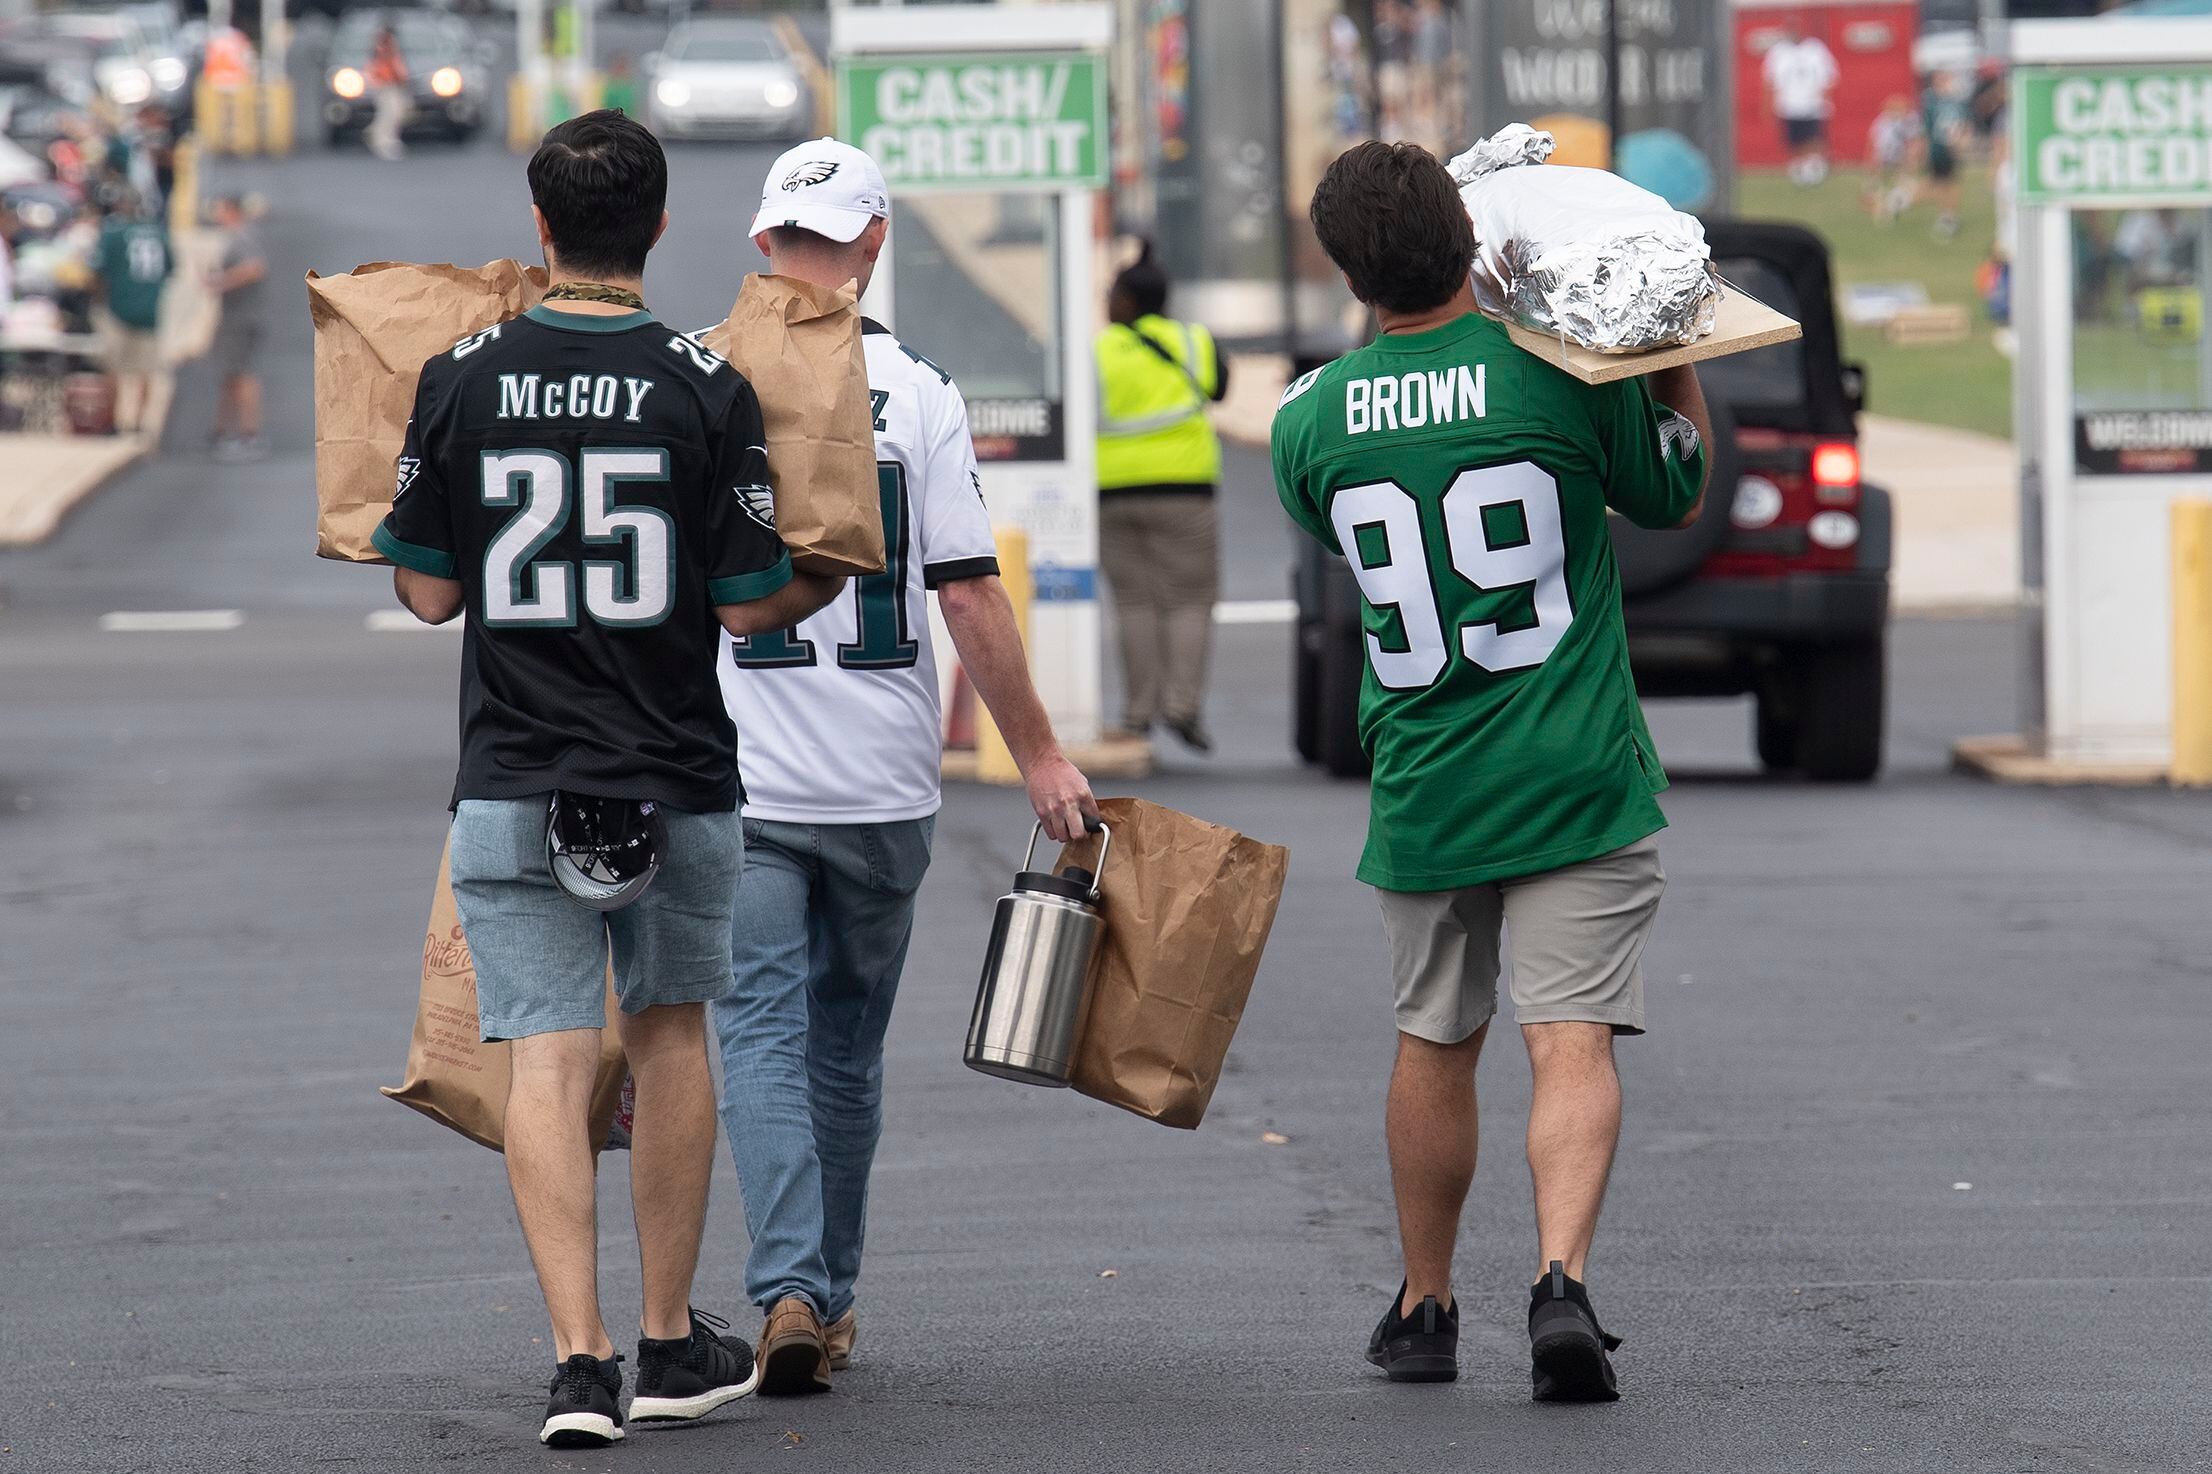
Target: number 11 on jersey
(884, 639)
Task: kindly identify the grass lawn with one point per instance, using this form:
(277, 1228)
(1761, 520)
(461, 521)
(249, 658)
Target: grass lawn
(1966, 384)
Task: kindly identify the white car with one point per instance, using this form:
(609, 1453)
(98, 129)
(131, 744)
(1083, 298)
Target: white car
(727, 77)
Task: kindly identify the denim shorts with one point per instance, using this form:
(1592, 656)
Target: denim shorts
(541, 958)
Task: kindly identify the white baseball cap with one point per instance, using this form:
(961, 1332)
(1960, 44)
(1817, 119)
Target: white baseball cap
(825, 186)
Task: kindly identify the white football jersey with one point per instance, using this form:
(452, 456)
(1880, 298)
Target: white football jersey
(838, 721)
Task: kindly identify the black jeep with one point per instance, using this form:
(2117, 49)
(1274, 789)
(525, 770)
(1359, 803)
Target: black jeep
(1780, 589)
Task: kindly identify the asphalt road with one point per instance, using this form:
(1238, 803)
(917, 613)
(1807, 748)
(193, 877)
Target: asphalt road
(1914, 1174)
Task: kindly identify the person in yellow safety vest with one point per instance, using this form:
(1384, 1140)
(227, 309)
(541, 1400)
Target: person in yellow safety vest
(1159, 465)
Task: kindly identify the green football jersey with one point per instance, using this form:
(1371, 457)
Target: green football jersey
(1467, 482)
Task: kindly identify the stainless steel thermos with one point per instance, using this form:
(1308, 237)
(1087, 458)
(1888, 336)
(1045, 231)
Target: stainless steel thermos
(1036, 972)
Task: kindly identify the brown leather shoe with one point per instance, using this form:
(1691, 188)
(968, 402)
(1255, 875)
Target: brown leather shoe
(794, 1358)
(839, 1338)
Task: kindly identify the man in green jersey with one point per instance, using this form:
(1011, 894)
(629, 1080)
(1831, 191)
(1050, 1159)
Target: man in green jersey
(1468, 483)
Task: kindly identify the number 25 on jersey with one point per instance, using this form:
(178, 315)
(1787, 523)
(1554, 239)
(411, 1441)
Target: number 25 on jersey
(520, 593)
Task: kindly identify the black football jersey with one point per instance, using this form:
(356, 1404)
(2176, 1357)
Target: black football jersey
(597, 484)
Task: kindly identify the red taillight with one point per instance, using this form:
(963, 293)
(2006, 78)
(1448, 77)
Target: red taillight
(1836, 468)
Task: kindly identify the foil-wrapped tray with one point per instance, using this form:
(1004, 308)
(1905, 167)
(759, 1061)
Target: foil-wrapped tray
(1582, 253)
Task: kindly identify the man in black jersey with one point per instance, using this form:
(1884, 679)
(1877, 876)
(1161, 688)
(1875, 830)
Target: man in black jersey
(592, 488)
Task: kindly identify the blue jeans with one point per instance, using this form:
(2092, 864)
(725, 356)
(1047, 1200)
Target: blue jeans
(819, 937)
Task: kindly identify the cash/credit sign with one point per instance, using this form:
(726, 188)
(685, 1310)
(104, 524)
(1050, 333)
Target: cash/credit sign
(1021, 121)
(2090, 136)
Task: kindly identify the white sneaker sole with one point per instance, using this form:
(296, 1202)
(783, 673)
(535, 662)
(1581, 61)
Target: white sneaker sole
(682, 1409)
(580, 1430)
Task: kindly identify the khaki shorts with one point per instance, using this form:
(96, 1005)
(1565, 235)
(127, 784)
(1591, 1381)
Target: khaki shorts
(1577, 937)
(129, 351)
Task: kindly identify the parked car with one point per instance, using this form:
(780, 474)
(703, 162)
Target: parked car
(448, 79)
(730, 77)
(129, 65)
(32, 116)
(1779, 590)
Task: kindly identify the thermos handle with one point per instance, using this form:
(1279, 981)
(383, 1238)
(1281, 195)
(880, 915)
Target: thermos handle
(1105, 841)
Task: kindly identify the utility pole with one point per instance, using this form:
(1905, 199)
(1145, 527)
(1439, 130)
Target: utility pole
(1612, 84)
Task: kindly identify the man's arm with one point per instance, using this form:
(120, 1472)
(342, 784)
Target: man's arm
(794, 601)
(431, 600)
(417, 535)
(245, 273)
(981, 619)
(1679, 390)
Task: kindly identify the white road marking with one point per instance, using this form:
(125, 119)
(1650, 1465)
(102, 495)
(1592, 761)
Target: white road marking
(400, 622)
(170, 621)
(1256, 611)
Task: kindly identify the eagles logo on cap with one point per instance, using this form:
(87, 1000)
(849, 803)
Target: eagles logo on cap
(824, 186)
(818, 172)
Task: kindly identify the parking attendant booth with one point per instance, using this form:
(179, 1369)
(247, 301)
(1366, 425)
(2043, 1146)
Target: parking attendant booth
(2112, 141)
(990, 125)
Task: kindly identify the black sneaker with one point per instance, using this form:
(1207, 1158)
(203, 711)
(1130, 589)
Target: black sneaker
(584, 1411)
(1421, 1347)
(1195, 736)
(692, 1376)
(1567, 1348)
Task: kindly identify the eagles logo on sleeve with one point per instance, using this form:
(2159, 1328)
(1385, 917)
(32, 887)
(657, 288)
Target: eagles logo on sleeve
(816, 173)
(759, 503)
(1677, 437)
(409, 468)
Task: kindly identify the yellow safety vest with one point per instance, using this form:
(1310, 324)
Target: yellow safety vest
(1152, 425)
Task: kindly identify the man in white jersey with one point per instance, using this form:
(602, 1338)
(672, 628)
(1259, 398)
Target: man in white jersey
(839, 722)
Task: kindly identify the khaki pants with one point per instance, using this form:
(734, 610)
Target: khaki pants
(1160, 552)
(392, 107)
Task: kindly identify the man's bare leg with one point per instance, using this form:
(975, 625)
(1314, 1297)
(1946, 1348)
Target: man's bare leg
(671, 1156)
(131, 394)
(1574, 1123)
(549, 1165)
(1430, 1123)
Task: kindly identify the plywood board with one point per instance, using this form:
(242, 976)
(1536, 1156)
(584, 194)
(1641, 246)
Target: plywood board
(1741, 323)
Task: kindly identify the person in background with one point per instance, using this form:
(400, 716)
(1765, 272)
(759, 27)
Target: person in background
(1159, 464)
(239, 282)
(1946, 131)
(387, 79)
(157, 142)
(839, 723)
(134, 262)
(1890, 140)
(1800, 72)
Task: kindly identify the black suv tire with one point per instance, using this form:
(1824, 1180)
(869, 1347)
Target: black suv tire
(1339, 668)
(1824, 714)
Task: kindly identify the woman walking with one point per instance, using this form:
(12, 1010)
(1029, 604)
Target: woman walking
(1159, 465)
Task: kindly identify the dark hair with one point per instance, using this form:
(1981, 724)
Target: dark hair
(1143, 282)
(601, 181)
(1390, 217)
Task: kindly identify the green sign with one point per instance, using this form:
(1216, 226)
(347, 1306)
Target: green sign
(1013, 120)
(2113, 134)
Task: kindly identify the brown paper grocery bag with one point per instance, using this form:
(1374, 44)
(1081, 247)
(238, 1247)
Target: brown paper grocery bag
(1187, 907)
(375, 327)
(453, 1077)
(799, 345)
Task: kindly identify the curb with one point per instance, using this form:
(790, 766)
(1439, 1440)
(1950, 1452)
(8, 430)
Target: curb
(2010, 760)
